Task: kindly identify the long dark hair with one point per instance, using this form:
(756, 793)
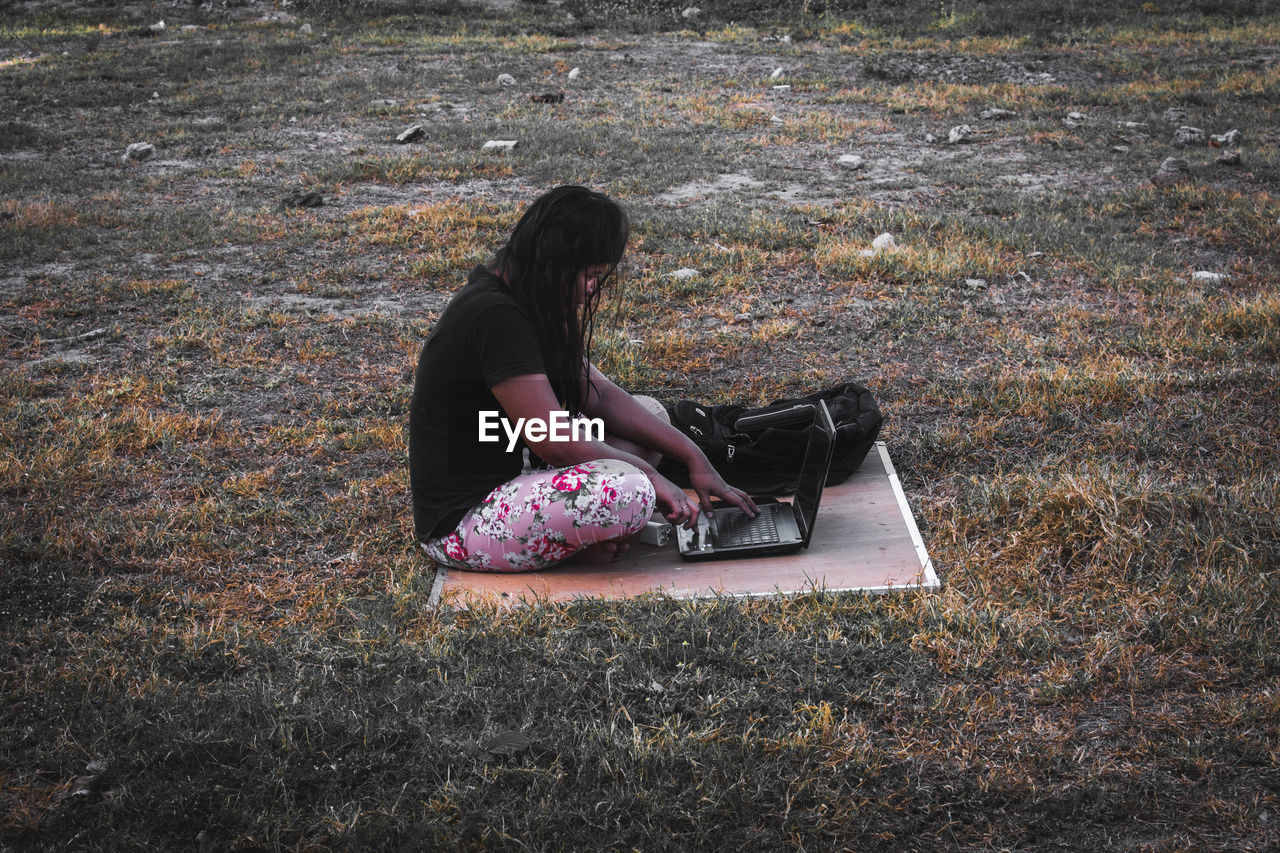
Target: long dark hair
(563, 232)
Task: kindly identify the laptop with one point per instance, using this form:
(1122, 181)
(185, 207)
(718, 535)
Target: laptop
(782, 527)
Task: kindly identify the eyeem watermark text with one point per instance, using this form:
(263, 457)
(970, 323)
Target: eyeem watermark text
(561, 427)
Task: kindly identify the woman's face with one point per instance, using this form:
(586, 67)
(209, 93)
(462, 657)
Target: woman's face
(589, 281)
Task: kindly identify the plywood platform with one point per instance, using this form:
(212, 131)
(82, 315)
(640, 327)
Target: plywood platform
(865, 539)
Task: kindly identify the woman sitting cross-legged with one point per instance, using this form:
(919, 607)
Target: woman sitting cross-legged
(506, 367)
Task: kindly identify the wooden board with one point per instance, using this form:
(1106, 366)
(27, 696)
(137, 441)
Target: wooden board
(865, 539)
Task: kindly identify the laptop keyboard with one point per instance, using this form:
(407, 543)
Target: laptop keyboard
(736, 528)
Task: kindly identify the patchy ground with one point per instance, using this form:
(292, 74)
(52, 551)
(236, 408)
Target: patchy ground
(213, 617)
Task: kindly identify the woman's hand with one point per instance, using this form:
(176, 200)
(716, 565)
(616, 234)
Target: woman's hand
(673, 503)
(708, 483)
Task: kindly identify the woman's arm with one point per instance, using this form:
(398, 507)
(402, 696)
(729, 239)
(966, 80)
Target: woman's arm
(626, 418)
(530, 396)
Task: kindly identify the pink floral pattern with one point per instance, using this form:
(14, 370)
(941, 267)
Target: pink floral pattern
(542, 518)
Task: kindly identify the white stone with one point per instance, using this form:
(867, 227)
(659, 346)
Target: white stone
(884, 243)
(777, 73)
(499, 145)
(157, 27)
(684, 274)
(975, 283)
(139, 151)
(690, 13)
(1207, 277)
(410, 134)
(997, 113)
(1187, 135)
(575, 73)
(506, 80)
(850, 161)
(1230, 138)
(960, 133)
(305, 29)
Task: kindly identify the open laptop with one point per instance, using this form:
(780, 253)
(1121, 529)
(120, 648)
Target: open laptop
(781, 527)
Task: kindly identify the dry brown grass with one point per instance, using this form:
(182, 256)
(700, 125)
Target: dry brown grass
(214, 629)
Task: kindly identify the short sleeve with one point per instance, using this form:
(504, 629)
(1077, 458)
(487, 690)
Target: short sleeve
(505, 344)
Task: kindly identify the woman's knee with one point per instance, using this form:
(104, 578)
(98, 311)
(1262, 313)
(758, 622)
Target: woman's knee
(623, 497)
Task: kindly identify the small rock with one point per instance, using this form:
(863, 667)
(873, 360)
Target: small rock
(157, 27)
(1207, 277)
(1131, 125)
(1187, 135)
(1230, 158)
(412, 134)
(139, 151)
(504, 744)
(1074, 119)
(575, 73)
(1120, 149)
(1171, 171)
(743, 319)
(960, 133)
(929, 139)
(867, 253)
(691, 13)
(1230, 138)
(777, 73)
(499, 145)
(506, 80)
(884, 243)
(783, 87)
(776, 120)
(305, 29)
(997, 113)
(684, 274)
(96, 782)
(1175, 115)
(850, 161)
(300, 199)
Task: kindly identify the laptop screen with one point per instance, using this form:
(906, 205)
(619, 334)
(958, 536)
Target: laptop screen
(813, 472)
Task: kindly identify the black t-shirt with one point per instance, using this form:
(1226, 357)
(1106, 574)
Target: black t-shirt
(482, 337)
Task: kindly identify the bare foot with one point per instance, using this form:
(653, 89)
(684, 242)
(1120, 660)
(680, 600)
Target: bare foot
(600, 553)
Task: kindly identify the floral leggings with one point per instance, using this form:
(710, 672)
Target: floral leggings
(541, 518)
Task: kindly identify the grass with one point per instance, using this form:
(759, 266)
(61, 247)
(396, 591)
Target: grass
(214, 624)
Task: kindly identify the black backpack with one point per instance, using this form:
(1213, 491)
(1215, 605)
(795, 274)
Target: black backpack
(767, 461)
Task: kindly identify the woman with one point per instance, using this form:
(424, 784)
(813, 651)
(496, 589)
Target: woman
(512, 348)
